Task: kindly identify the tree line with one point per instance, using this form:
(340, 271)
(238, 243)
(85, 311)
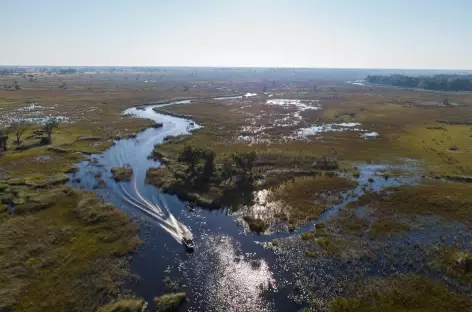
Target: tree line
(436, 82)
(201, 169)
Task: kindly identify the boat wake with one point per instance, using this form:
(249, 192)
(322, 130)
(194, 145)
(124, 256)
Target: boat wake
(133, 153)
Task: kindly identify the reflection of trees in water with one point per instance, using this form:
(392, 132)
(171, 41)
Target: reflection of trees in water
(239, 195)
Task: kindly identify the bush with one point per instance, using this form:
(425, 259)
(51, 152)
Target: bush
(45, 141)
(326, 164)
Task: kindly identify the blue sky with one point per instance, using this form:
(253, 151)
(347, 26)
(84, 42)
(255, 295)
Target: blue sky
(266, 33)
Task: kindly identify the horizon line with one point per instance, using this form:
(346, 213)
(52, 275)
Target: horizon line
(242, 67)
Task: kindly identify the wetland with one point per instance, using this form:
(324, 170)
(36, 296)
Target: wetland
(336, 198)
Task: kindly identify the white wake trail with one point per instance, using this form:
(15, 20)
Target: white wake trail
(169, 224)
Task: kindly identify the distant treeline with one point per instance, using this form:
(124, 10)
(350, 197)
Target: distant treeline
(437, 82)
(67, 71)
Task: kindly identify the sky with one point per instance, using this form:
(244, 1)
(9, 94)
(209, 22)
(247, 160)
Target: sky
(423, 34)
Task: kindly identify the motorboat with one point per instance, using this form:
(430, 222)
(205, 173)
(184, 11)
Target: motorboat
(188, 242)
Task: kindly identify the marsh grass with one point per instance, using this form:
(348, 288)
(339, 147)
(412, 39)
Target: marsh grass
(406, 293)
(386, 227)
(307, 197)
(122, 173)
(124, 305)
(452, 201)
(169, 302)
(347, 221)
(453, 262)
(68, 255)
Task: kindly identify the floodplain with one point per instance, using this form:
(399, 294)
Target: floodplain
(339, 196)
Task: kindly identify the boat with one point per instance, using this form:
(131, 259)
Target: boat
(188, 242)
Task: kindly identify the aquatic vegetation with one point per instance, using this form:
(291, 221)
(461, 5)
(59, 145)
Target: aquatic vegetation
(170, 302)
(347, 221)
(325, 163)
(311, 254)
(451, 201)
(328, 246)
(124, 305)
(161, 177)
(100, 184)
(453, 262)
(122, 173)
(306, 198)
(407, 293)
(383, 227)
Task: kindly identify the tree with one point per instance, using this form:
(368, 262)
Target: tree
(245, 161)
(208, 166)
(3, 140)
(19, 128)
(227, 170)
(191, 158)
(49, 126)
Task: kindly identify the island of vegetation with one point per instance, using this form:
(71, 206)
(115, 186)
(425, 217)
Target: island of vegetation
(122, 173)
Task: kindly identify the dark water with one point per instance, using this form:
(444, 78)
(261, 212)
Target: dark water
(230, 269)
